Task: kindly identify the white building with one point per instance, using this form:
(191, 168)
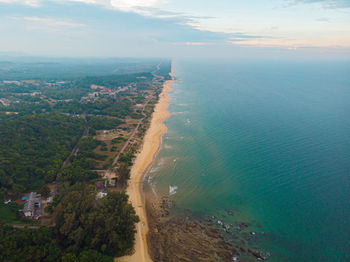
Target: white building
(31, 205)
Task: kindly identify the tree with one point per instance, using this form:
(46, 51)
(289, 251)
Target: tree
(28, 245)
(94, 256)
(33, 148)
(123, 173)
(69, 258)
(44, 191)
(106, 225)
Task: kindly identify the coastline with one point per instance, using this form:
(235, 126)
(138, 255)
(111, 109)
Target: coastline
(143, 161)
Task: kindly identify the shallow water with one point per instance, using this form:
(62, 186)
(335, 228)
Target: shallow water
(269, 141)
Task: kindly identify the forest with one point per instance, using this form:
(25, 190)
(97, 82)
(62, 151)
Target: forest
(32, 146)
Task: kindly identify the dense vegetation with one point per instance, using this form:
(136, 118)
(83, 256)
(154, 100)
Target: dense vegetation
(107, 106)
(113, 81)
(102, 123)
(110, 107)
(28, 245)
(106, 225)
(123, 173)
(81, 164)
(27, 108)
(33, 146)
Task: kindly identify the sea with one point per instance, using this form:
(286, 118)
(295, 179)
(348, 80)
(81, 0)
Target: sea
(264, 144)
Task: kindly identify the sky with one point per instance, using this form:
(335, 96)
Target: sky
(180, 28)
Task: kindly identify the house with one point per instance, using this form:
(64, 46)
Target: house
(12, 82)
(112, 182)
(101, 189)
(101, 194)
(5, 102)
(32, 206)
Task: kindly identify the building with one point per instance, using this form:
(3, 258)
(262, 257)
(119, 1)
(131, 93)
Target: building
(32, 206)
(12, 82)
(101, 194)
(112, 182)
(5, 101)
(101, 189)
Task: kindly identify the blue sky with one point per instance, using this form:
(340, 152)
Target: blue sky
(150, 28)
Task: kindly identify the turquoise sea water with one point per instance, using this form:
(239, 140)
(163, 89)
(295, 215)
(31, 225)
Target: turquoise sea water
(269, 141)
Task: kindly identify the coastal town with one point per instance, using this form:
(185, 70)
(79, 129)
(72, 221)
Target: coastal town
(111, 115)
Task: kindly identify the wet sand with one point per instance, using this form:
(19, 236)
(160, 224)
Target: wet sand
(143, 161)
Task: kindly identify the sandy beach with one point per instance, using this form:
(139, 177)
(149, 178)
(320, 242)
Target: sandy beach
(144, 159)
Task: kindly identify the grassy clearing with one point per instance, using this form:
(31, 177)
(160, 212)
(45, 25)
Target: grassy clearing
(10, 213)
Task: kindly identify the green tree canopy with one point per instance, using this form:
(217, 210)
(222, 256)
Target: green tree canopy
(106, 225)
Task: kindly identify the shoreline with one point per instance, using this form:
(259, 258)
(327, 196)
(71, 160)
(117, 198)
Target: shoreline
(150, 147)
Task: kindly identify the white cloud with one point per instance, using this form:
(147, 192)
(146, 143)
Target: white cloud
(142, 7)
(194, 43)
(33, 3)
(132, 5)
(50, 25)
(124, 5)
(52, 22)
(88, 1)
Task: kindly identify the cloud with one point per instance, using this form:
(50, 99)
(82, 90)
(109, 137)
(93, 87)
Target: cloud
(51, 22)
(89, 1)
(326, 3)
(146, 8)
(50, 25)
(132, 5)
(123, 5)
(193, 43)
(245, 36)
(33, 3)
(175, 27)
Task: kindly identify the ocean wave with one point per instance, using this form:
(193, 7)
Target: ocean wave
(152, 185)
(154, 169)
(172, 190)
(179, 113)
(167, 146)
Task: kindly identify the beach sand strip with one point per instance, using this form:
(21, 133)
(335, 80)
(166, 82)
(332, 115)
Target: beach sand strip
(143, 161)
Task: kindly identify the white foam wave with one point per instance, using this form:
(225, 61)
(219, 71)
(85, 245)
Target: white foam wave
(167, 146)
(172, 190)
(154, 169)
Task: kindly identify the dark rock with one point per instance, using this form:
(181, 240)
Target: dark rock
(256, 254)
